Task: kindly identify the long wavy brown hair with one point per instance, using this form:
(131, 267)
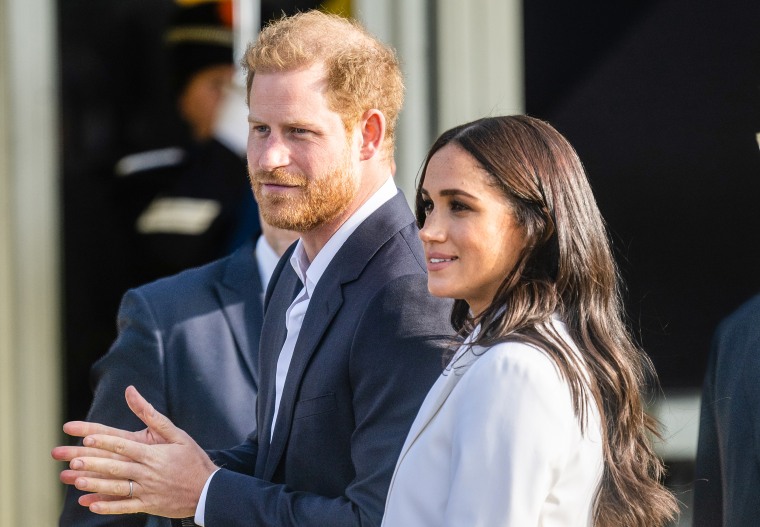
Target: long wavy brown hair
(567, 267)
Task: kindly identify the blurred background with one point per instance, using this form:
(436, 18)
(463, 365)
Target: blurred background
(661, 98)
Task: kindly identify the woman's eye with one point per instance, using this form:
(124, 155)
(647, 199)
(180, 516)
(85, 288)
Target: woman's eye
(458, 206)
(427, 206)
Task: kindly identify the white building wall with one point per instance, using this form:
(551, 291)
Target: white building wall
(480, 60)
(461, 60)
(30, 344)
(403, 25)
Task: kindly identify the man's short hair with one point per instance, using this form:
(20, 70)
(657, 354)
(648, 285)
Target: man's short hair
(361, 72)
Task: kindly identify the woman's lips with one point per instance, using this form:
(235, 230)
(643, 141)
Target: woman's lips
(437, 261)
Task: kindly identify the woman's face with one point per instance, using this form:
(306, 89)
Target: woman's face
(471, 237)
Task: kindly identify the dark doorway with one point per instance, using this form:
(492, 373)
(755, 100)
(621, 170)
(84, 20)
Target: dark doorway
(661, 98)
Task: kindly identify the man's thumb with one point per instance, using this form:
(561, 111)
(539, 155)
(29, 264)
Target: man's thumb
(153, 419)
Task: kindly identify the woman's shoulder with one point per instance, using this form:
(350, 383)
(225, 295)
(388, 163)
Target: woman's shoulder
(514, 360)
(519, 358)
(516, 380)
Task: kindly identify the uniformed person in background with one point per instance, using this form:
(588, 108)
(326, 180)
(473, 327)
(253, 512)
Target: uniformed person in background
(187, 204)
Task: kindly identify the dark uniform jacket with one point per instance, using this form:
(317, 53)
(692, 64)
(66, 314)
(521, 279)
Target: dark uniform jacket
(181, 208)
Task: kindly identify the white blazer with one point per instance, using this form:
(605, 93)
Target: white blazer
(496, 444)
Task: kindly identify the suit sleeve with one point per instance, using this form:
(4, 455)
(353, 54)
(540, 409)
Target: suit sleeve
(395, 358)
(241, 458)
(708, 483)
(136, 357)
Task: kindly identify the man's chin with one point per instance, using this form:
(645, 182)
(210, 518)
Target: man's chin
(299, 220)
(285, 215)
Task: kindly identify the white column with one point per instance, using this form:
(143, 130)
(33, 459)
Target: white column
(30, 391)
(247, 18)
(403, 25)
(480, 60)
(478, 56)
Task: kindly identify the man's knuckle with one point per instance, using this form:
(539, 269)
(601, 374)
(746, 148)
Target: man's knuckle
(122, 489)
(114, 470)
(120, 448)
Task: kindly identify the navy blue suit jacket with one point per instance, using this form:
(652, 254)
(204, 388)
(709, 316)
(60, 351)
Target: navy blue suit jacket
(189, 344)
(727, 485)
(369, 350)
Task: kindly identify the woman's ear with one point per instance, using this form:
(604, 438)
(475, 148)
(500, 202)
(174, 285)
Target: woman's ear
(372, 127)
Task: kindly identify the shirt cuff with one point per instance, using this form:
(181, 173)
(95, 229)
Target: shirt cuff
(200, 510)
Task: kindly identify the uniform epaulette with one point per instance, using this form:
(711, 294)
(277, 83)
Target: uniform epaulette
(149, 160)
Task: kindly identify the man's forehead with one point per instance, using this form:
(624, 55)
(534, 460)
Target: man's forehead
(315, 75)
(292, 90)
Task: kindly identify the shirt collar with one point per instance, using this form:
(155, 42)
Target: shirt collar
(267, 259)
(310, 272)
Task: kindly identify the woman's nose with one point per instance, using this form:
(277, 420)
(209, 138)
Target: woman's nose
(432, 230)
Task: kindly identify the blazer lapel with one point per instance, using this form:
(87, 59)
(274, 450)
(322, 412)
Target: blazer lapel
(241, 299)
(322, 309)
(273, 336)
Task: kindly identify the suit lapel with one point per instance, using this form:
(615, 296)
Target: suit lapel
(286, 286)
(322, 309)
(241, 299)
(325, 304)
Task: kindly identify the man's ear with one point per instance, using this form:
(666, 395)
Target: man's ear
(372, 127)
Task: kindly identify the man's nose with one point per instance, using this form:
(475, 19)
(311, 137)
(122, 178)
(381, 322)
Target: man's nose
(274, 154)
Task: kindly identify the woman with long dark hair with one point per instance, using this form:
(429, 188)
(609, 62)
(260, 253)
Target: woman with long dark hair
(538, 419)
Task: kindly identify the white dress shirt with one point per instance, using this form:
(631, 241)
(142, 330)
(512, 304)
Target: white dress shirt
(496, 444)
(309, 273)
